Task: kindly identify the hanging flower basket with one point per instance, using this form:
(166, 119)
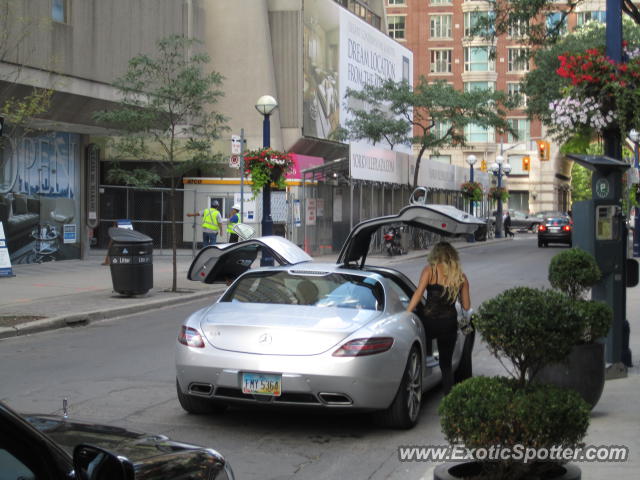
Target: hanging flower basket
(266, 166)
(472, 191)
(500, 193)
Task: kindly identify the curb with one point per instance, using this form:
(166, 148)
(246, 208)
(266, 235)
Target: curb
(85, 318)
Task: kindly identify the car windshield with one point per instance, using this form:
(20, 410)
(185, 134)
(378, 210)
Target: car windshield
(330, 290)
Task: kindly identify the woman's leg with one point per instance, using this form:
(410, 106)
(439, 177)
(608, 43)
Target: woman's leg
(446, 344)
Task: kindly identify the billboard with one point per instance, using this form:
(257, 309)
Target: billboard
(342, 51)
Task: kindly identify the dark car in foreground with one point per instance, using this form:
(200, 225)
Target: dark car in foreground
(557, 229)
(46, 447)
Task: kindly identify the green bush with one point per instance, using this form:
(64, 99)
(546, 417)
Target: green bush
(573, 272)
(482, 412)
(596, 317)
(530, 327)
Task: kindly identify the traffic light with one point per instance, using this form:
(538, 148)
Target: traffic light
(483, 165)
(543, 150)
(526, 164)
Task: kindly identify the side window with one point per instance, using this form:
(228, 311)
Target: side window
(11, 467)
(402, 295)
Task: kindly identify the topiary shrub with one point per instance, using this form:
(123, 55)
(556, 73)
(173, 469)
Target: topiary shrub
(573, 272)
(596, 318)
(530, 327)
(497, 412)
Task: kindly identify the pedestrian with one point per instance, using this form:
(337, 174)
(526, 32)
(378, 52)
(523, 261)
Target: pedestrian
(444, 283)
(211, 223)
(507, 225)
(234, 219)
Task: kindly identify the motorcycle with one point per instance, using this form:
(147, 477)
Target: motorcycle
(392, 242)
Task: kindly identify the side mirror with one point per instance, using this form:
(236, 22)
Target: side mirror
(94, 463)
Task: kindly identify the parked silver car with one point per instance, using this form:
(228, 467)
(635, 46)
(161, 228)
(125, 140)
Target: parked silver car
(334, 336)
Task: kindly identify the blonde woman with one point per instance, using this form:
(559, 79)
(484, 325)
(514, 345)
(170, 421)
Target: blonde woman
(444, 282)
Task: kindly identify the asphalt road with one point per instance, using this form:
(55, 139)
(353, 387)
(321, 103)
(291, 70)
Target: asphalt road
(121, 372)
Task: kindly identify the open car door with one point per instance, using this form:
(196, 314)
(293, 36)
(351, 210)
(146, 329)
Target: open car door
(225, 262)
(441, 219)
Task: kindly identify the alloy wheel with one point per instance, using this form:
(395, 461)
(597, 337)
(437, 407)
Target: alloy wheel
(414, 385)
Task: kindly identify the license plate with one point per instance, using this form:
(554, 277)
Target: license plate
(262, 384)
(554, 229)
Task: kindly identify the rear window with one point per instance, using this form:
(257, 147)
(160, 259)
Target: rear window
(557, 221)
(331, 290)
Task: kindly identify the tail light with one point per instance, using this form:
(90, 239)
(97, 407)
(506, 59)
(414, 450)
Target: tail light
(388, 237)
(542, 228)
(567, 228)
(364, 346)
(190, 337)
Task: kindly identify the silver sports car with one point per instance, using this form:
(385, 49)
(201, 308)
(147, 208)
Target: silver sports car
(333, 336)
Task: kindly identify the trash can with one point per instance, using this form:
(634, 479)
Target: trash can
(131, 261)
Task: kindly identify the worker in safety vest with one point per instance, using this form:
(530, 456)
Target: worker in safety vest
(211, 224)
(234, 219)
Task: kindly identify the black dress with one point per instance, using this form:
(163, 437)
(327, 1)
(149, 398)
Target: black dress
(441, 323)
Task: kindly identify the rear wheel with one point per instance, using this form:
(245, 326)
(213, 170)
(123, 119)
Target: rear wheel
(405, 408)
(198, 405)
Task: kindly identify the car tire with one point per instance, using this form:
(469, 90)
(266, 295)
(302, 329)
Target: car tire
(404, 411)
(198, 405)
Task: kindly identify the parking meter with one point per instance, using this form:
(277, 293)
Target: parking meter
(600, 229)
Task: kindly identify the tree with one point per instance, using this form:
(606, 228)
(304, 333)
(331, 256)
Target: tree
(427, 116)
(166, 115)
(20, 104)
(541, 30)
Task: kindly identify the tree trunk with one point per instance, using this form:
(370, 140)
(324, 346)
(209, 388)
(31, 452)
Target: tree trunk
(417, 170)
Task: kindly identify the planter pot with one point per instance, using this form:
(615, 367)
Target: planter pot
(458, 471)
(276, 173)
(583, 372)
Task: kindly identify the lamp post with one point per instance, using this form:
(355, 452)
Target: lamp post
(471, 160)
(266, 105)
(498, 169)
(634, 136)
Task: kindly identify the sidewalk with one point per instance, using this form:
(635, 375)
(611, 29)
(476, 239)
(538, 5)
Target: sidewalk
(74, 292)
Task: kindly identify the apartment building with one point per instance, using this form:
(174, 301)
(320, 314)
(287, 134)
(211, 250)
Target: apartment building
(440, 33)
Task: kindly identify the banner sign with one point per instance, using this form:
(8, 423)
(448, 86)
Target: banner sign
(5, 261)
(93, 185)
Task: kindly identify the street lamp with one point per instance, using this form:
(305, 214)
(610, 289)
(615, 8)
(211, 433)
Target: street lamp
(471, 160)
(266, 105)
(634, 136)
(498, 169)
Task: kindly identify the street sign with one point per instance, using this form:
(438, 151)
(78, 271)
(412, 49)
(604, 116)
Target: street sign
(234, 161)
(236, 145)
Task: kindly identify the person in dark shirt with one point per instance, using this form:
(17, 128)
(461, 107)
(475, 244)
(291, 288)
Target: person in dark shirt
(507, 225)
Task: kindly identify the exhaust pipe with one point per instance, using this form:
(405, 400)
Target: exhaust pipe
(335, 399)
(203, 389)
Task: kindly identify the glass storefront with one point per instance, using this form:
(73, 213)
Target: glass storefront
(40, 196)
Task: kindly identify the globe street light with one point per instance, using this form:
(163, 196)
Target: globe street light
(471, 160)
(266, 105)
(634, 136)
(499, 170)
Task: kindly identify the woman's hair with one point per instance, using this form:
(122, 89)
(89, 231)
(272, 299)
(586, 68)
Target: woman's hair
(447, 256)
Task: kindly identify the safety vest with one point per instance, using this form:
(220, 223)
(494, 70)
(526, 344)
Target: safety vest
(231, 224)
(210, 219)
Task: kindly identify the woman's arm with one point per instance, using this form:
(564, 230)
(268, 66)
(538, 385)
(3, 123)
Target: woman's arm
(422, 285)
(465, 297)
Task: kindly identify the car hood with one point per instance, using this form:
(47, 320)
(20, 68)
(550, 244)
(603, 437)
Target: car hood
(154, 456)
(280, 329)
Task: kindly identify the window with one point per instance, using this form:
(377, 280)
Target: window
(441, 159)
(595, 16)
(518, 29)
(441, 128)
(396, 26)
(441, 2)
(478, 134)
(396, 2)
(440, 26)
(518, 60)
(474, 20)
(479, 59)
(440, 61)
(556, 20)
(522, 126)
(475, 86)
(513, 90)
(516, 163)
(60, 11)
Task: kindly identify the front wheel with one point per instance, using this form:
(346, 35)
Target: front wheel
(405, 409)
